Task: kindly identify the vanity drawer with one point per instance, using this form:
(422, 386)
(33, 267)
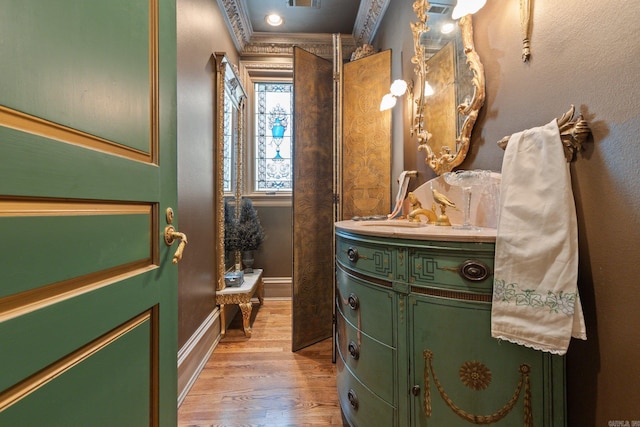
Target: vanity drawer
(371, 362)
(366, 306)
(372, 259)
(452, 269)
(360, 406)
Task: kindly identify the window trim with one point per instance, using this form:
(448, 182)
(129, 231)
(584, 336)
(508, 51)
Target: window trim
(257, 72)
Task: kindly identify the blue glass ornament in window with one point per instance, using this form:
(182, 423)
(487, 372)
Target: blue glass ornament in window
(277, 131)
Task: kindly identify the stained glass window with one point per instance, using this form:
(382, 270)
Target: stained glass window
(273, 143)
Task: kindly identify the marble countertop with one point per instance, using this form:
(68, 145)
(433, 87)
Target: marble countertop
(403, 229)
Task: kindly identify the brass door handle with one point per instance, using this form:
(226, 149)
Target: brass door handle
(170, 236)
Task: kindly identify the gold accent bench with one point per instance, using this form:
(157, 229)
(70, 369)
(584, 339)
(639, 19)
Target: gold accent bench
(241, 295)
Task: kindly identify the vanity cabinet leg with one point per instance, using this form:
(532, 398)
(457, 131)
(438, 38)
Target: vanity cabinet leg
(245, 307)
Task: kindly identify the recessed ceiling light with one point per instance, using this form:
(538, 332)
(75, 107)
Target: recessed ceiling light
(274, 20)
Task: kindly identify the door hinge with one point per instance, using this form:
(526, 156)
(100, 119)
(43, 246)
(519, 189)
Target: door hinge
(336, 198)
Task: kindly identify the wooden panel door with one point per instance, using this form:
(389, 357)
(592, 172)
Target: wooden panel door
(87, 170)
(313, 215)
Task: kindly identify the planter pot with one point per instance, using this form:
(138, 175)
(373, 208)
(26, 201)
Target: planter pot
(247, 261)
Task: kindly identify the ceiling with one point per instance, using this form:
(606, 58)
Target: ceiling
(305, 16)
(309, 24)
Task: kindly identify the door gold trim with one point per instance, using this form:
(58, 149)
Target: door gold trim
(37, 126)
(24, 388)
(34, 125)
(154, 83)
(16, 305)
(9, 208)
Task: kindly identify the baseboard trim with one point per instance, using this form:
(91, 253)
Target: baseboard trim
(277, 287)
(195, 353)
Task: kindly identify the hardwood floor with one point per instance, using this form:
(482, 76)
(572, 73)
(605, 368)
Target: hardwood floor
(258, 381)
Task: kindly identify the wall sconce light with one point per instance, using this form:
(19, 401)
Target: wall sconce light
(397, 89)
(388, 102)
(466, 7)
(428, 89)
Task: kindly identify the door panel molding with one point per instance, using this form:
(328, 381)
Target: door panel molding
(79, 243)
(14, 306)
(37, 126)
(40, 379)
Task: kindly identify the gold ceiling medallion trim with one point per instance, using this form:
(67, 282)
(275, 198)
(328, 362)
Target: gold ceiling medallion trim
(16, 305)
(21, 208)
(479, 419)
(37, 126)
(50, 373)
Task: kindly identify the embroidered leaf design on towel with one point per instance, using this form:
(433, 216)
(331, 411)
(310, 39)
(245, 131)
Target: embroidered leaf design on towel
(529, 297)
(556, 302)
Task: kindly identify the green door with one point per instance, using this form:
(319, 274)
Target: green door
(88, 289)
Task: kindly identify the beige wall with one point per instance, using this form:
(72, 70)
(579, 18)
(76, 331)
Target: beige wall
(201, 32)
(587, 54)
(275, 255)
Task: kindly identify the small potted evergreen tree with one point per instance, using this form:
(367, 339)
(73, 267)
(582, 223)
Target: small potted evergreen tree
(250, 233)
(230, 229)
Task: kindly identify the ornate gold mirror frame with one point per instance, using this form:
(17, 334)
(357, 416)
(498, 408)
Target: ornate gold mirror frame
(231, 98)
(450, 153)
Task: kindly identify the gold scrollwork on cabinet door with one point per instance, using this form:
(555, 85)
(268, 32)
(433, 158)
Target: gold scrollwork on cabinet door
(478, 419)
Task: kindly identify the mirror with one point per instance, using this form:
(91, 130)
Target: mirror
(230, 96)
(449, 90)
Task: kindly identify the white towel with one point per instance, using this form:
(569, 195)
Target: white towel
(535, 292)
(403, 180)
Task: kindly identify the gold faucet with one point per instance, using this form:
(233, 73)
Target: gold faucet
(417, 210)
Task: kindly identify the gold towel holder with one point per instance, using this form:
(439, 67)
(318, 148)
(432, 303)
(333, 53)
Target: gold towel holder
(573, 133)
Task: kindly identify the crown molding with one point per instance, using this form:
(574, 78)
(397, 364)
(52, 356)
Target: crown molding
(368, 20)
(281, 44)
(249, 43)
(236, 17)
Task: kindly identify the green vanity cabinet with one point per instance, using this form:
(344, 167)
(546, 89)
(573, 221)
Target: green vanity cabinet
(414, 346)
